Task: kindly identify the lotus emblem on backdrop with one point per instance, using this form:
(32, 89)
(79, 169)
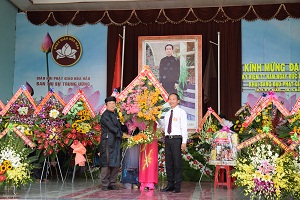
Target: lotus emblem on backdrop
(66, 51)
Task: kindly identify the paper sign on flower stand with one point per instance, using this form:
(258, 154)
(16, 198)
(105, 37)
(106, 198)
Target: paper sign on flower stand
(270, 135)
(145, 73)
(296, 107)
(243, 108)
(22, 90)
(79, 95)
(270, 99)
(258, 102)
(47, 97)
(18, 133)
(209, 112)
(1, 105)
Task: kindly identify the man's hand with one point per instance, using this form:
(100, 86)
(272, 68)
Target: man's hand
(183, 147)
(125, 135)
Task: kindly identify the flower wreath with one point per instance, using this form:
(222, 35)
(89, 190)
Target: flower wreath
(81, 125)
(140, 109)
(194, 163)
(197, 165)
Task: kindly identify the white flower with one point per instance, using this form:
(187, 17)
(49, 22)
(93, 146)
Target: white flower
(11, 156)
(54, 113)
(270, 153)
(21, 128)
(23, 110)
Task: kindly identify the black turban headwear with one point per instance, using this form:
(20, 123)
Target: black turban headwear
(111, 98)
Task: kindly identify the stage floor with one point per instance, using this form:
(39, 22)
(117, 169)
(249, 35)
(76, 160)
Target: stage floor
(86, 189)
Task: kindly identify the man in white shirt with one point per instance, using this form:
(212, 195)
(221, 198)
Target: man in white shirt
(175, 141)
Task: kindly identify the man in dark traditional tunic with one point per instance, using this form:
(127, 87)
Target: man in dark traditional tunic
(110, 154)
(169, 71)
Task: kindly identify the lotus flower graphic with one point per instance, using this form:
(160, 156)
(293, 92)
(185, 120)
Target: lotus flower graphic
(66, 51)
(46, 48)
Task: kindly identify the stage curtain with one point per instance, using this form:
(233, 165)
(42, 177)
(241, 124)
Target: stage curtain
(230, 56)
(162, 16)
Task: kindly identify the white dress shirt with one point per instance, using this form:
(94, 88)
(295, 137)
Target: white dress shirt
(179, 123)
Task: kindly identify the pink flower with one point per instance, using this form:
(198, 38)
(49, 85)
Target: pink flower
(47, 44)
(266, 167)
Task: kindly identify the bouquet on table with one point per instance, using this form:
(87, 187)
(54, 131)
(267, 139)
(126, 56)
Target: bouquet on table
(267, 175)
(140, 109)
(49, 124)
(15, 163)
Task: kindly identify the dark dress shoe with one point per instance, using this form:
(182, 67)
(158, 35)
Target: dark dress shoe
(167, 189)
(176, 190)
(104, 188)
(113, 187)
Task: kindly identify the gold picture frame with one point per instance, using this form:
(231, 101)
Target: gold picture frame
(188, 50)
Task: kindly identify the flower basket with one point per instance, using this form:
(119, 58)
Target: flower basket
(223, 147)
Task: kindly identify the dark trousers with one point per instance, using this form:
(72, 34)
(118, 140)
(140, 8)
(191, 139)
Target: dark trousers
(173, 162)
(109, 176)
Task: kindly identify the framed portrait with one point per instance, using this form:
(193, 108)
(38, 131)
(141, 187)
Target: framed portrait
(176, 61)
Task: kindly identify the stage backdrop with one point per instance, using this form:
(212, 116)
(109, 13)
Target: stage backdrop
(88, 73)
(270, 60)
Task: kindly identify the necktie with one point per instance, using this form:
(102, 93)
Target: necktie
(170, 122)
